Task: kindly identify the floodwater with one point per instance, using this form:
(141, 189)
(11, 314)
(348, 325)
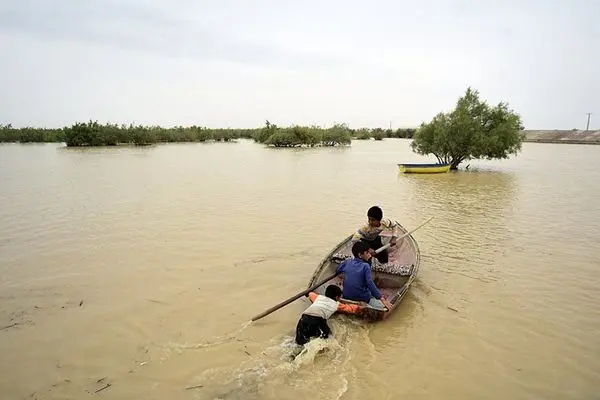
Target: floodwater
(140, 268)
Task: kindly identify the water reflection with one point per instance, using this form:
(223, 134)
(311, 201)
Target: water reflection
(512, 249)
(468, 239)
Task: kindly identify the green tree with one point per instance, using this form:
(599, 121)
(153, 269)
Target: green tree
(293, 137)
(84, 134)
(339, 134)
(378, 134)
(473, 130)
(263, 134)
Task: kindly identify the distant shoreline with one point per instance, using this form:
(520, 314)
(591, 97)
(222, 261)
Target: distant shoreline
(562, 136)
(566, 141)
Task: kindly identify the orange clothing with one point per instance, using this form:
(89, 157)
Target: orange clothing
(344, 308)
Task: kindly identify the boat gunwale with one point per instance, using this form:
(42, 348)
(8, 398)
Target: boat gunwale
(437, 165)
(397, 298)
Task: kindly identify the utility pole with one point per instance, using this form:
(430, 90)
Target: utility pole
(588, 123)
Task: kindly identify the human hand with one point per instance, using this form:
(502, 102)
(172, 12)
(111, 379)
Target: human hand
(386, 303)
(393, 241)
(372, 252)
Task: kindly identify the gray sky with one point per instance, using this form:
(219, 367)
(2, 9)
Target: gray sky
(236, 63)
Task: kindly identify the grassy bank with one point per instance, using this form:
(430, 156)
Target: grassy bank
(95, 134)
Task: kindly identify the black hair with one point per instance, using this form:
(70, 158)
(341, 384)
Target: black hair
(333, 291)
(359, 248)
(375, 213)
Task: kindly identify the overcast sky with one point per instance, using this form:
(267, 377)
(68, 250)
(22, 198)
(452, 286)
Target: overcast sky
(236, 63)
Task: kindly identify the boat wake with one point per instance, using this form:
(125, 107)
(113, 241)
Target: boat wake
(217, 341)
(320, 369)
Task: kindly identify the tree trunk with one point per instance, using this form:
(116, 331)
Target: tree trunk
(454, 164)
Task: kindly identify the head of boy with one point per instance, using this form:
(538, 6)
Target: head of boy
(334, 292)
(375, 214)
(361, 250)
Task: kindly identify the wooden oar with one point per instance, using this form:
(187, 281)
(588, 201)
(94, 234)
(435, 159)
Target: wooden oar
(387, 246)
(288, 301)
(304, 292)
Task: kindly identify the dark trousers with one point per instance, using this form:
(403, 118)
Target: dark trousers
(375, 244)
(310, 327)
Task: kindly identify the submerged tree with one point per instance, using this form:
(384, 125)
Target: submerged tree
(473, 130)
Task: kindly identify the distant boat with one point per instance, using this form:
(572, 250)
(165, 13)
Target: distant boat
(424, 168)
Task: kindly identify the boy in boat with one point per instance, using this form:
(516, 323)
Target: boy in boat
(313, 322)
(369, 233)
(358, 281)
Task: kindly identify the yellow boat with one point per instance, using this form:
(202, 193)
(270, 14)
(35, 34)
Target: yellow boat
(424, 168)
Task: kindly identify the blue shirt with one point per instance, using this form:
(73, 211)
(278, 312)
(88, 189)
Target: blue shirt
(358, 283)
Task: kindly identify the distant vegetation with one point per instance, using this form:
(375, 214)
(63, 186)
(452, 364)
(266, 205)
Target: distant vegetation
(473, 130)
(296, 136)
(94, 134)
(379, 134)
(30, 135)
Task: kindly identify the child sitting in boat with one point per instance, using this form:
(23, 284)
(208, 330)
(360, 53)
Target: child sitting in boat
(369, 233)
(358, 281)
(313, 322)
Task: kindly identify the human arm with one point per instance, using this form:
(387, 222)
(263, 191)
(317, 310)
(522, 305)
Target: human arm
(395, 230)
(386, 303)
(341, 267)
(349, 308)
(371, 285)
(360, 233)
(394, 227)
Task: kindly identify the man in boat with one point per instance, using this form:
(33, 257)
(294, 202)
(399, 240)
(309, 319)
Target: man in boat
(358, 281)
(313, 322)
(370, 232)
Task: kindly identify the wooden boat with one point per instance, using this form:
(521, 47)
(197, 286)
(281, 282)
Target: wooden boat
(424, 168)
(392, 278)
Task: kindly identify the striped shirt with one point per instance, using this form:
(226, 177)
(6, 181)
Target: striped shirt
(368, 232)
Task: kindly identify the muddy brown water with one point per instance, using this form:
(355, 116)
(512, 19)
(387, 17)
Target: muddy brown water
(139, 268)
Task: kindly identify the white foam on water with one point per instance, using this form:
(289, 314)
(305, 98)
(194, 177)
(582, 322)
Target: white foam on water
(283, 370)
(343, 389)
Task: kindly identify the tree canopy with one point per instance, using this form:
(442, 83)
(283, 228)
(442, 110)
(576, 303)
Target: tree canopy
(298, 136)
(92, 133)
(473, 130)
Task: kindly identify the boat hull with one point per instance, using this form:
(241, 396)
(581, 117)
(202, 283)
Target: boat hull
(393, 279)
(424, 168)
